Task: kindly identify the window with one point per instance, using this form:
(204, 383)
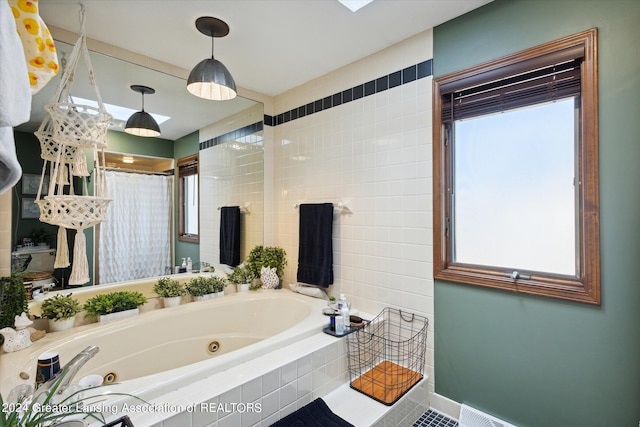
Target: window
(516, 172)
(188, 217)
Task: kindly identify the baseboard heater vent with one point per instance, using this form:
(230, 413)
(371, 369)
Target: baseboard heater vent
(471, 417)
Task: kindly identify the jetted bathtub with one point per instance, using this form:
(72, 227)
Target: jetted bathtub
(159, 351)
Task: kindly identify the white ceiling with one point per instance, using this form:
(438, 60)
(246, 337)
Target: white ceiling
(273, 45)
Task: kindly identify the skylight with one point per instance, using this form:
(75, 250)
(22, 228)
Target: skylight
(355, 5)
(118, 112)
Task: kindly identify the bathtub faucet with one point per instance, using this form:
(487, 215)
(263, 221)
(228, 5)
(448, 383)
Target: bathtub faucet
(69, 371)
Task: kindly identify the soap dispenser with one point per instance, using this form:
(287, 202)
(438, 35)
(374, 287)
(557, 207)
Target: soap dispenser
(189, 265)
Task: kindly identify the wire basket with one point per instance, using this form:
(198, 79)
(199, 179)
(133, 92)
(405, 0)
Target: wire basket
(386, 357)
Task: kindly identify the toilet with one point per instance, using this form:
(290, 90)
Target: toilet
(39, 271)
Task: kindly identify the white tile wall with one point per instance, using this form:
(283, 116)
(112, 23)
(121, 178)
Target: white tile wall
(374, 154)
(234, 177)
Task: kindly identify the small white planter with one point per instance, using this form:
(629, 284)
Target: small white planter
(171, 301)
(61, 325)
(243, 287)
(72, 423)
(119, 315)
(204, 297)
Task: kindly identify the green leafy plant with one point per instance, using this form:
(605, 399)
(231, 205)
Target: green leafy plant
(240, 275)
(267, 256)
(60, 307)
(168, 288)
(13, 301)
(200, 286)
(38, 235)
(113, 302)
(218, 284)
(43, 410)
(255, 286)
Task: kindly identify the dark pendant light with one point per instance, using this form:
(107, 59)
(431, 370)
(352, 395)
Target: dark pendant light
(210, 79)
(142, 123)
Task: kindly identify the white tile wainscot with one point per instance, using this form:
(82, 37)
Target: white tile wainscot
(281, 382)
(361, 410)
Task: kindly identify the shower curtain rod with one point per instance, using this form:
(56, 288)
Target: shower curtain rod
(167, 173)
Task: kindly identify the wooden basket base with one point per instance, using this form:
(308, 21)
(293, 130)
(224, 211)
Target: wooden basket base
(386, 382)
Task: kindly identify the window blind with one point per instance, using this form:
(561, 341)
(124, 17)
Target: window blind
(541, 79)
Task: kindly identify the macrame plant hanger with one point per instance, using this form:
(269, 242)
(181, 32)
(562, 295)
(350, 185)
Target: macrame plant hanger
(49, 149)
(49, 153)
(67, 131)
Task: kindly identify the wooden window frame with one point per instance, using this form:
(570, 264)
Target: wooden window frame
(185, 161)
(585, 287)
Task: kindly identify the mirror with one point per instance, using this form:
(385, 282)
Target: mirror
(231, 167)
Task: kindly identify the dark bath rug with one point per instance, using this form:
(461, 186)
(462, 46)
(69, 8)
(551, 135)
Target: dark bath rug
(314, 414)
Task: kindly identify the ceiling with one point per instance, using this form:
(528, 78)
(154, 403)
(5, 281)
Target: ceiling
(273, 45)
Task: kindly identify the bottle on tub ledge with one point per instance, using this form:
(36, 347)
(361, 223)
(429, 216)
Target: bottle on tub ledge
(344, 316)
(189, 265)
(183, 266)
(339, 322)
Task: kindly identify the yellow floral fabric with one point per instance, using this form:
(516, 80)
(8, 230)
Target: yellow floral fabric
(39, 48)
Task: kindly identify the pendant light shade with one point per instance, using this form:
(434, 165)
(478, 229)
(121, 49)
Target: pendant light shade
(142, 123)
(210, 79)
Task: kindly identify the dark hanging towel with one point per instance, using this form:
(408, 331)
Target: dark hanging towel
(230, 235)
(315, 249)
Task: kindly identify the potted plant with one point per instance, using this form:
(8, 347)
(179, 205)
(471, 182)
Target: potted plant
(241, 276)
(218, 284)
(114, 305)
(61, 311)
(40, 237)
(202, 288)
(267, 256)
(170, 290)
(13, 301)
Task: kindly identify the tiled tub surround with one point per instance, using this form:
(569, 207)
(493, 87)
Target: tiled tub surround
(278, 383)
(362, 411)
(157, 352)
(374, 153)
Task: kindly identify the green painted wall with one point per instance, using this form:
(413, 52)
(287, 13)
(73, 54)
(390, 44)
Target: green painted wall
(538, 361)
(122, 142)
(185, 146)
(26, 145)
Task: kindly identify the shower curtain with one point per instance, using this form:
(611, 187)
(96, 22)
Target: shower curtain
(135, 240)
